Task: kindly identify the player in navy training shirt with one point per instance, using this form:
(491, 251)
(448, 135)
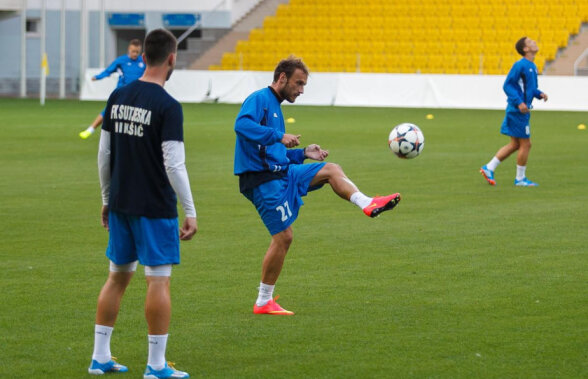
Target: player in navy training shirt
(141, 167)
(129, 67)
(274, 177)
(520, 87)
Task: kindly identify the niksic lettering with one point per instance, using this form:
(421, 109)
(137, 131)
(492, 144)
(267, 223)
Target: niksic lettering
(131, 129)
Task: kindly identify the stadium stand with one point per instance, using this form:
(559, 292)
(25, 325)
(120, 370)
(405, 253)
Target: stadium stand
(429, 36)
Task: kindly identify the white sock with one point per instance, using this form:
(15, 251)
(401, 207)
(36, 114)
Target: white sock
(102, 343)
(266, 292)
(360, 199)
(521, 172)
(157, 345)
(494, 162)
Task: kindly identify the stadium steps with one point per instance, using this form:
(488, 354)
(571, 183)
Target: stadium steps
(564, 62)
(240, 31)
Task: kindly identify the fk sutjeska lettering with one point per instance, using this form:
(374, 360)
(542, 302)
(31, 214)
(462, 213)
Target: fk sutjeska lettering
(132, 119)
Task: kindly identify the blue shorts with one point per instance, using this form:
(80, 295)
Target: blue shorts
(153, 241)
(516, 124)
(278, 201)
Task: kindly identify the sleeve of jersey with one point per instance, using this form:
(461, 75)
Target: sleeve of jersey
(106, 122)
(174, 162)
(511, 86)
(109, 70)
(295, 156)
(104, 165)
(248, 123)
(173, 123)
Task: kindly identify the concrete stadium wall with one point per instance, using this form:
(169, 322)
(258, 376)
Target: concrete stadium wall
(369, 90)
(215, 14)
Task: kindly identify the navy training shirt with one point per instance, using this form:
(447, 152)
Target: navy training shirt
(139, 117)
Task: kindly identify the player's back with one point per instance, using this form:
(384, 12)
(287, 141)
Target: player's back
(139, 117)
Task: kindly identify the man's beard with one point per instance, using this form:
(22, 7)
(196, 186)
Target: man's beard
(284, 96)
(169, 74)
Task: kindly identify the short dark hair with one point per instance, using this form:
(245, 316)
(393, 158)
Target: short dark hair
(135, 42)
(288, 66)
(159, 44)
(520, 46)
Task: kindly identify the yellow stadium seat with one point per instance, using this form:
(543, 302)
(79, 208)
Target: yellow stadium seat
(428, 36)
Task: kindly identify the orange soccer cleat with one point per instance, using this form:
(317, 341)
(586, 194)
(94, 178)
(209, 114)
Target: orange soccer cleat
(271, 308)
(381, 204)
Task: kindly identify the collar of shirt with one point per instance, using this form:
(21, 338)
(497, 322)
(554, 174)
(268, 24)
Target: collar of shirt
(275, 94)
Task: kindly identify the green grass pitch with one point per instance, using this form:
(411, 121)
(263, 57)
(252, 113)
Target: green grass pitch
(461, 280)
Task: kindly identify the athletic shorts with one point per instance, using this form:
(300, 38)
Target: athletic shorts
(152, 241)
(278, 201)
(516, 124)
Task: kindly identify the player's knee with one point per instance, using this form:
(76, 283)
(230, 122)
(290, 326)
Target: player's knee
(284, 238)
(333, 169)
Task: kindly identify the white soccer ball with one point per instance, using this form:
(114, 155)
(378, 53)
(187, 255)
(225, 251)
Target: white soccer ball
(406, 140)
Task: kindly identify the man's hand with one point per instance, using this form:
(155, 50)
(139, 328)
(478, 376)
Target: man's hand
(290, 140)
(93, 78)
(188, 229)
(523, 108)
(104, 216)
(315, 152)
(543, 96)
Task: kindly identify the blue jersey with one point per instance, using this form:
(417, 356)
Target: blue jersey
(260, 128)
(139, 117)
(521, 84)
(128, 70)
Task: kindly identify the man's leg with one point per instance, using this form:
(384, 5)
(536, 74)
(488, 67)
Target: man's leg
(270, 271)
(158, 316)
(158, 304)
(95, 124)
(106, 314)
(504, 152)
(111, 296)
(333, 174)
(524, 149)
(275, 256)
(521, 176)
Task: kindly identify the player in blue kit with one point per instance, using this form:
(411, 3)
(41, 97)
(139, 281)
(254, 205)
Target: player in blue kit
(141, 168)
(129, 67)
(274, 177)
(520, 87)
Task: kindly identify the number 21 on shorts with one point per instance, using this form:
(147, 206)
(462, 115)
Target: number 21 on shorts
(285, 211)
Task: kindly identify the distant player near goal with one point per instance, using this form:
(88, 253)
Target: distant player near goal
(141, 166)
(130, 67)
(521, 87)
(274, 177)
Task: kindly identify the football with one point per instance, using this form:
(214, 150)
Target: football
(406, 140)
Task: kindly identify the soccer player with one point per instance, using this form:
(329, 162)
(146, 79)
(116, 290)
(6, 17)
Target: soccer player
(141, 168)
(274, 177)
(520, 87)
(130, 67)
